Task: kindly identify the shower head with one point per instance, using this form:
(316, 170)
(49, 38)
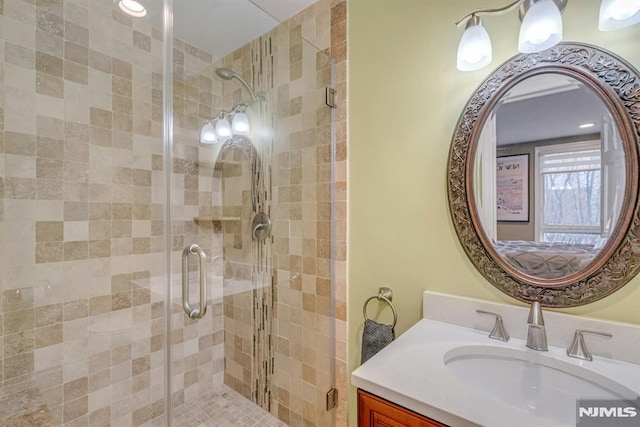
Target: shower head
(227, 74)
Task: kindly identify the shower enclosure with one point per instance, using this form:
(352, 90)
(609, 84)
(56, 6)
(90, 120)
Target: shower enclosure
(167, 210)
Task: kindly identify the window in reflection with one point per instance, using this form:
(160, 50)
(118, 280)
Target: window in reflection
(570, 205)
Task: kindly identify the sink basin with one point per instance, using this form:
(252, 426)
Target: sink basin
(544, 386)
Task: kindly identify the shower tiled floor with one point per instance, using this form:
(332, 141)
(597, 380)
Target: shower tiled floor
(223, 407)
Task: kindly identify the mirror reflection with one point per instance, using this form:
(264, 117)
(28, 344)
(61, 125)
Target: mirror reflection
(549, 176)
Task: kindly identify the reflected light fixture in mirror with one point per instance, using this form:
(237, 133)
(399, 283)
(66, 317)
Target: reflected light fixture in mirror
(208, 133)
(225, 125)
(616, 14)
(240, 124)
(133, 8)
(541, 27)
(223, 128)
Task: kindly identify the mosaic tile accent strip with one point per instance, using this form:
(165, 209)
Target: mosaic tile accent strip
(262, 272)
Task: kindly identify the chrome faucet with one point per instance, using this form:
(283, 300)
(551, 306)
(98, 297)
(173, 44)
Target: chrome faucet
(537, 335)
(498, 332)
(579, 349)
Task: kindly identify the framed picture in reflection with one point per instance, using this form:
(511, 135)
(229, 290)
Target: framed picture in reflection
(512, 188)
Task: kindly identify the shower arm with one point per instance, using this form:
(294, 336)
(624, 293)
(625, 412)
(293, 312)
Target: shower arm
(248, 88)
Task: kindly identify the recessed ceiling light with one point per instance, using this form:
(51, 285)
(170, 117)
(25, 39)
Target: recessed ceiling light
(587, 125)
(132, 8)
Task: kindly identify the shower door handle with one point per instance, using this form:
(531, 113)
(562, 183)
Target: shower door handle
(194, 313)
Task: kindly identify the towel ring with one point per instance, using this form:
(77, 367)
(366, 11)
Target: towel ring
(384, 294)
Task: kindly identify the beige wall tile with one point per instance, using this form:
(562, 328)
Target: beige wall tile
(21, 144)
(48, 315)
(49, 252)
(74, 310)
(19, 55)
(76, 408)
(49, 64)
(49, 231)
(76, 389)
(17, 321)
(48, 335)
(76, 53)
(76, 33)
(101, 118)
(18, 344)
(17, 366)
(49, 43)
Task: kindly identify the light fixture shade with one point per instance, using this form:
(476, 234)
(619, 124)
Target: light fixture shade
(541, 27)
(617, 14)
(223, 128)
(240, 124)
(208, 134)
(474, 50)
(133, 8)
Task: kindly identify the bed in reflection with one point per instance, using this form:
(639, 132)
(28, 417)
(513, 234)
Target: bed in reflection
(546, 260)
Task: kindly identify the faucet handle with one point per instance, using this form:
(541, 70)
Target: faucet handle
(498, 332)
(578, 348)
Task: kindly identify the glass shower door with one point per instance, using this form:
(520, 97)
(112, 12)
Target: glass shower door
(82, 269)
(252, 186)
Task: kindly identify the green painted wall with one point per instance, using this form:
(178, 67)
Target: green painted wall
(405, 97)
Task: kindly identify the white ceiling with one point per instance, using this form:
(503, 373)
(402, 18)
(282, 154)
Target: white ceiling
(222, 26)
(547, 107)
(283, 9)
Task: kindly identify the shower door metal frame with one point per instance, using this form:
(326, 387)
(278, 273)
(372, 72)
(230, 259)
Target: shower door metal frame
(167, 110)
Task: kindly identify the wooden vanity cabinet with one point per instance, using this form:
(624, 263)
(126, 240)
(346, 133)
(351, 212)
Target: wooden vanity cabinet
(374, 411)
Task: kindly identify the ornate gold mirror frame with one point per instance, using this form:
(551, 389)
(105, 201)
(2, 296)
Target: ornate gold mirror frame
(618, 85)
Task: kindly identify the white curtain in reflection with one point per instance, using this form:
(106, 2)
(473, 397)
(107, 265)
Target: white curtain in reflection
(485, 175)
(613, 174)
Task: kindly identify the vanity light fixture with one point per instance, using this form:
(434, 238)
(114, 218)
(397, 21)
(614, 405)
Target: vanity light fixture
(474, 50)
(616, 14)
(541, 27)
(133, 8)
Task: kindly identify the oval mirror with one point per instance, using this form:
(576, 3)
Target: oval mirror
(543, 175)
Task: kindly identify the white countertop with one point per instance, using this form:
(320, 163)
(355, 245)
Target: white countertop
(411, 373)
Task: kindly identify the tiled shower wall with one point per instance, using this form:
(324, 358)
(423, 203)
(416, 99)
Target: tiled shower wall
(301, 214)
(81, 196)
(81, 193)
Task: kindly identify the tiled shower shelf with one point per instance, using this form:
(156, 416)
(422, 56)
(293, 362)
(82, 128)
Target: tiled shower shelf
(221, 163)
(203, 219)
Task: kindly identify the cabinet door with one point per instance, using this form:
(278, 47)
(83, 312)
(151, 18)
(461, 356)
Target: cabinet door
(376, 412)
